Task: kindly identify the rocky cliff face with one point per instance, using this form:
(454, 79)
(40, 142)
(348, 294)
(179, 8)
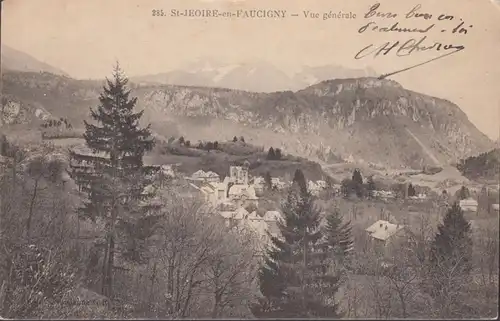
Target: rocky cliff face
(374, 121)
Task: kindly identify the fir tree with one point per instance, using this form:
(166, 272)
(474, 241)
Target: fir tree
(235, 139)
(411, 190)
(295, 279)
(113, 177)
(450, 257)
(356, 177)
(268, 181)
(270, 154)
(300, 180)
(181, 140)
(371, 186)
(277, 153)
(338, 239)
(483, 201)
(209, 146)
(346, 187)
(463, 193)
(357, 182)
(242, 139)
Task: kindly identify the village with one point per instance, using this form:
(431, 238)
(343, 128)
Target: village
(236, 198)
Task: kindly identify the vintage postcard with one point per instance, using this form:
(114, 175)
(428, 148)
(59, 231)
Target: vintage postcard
(171, 159)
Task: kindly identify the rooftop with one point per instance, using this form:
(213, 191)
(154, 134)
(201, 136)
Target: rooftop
(383, 230)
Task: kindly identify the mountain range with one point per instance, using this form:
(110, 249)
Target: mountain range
(257, 76)
(13, 59)
(352, 117)
(365, 119)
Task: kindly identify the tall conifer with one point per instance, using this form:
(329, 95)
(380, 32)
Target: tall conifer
(112, 175)
(450, 258)
(295, 279)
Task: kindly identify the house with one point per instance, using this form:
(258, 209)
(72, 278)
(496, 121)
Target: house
(419, 197)
(238, 174)
(236, 217)
(337, 188)
(321, 184)
(209, 176)
(279, 184)
(167, 171)
(468, 205)
(313, 187)
(384, 194)
(382, 233)
(243, 195)
(214, 193)
(259, 183)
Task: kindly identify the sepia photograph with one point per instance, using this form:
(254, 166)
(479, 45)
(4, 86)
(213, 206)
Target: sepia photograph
(249, 159)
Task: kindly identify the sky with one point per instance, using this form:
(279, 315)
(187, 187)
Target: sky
(85, 38)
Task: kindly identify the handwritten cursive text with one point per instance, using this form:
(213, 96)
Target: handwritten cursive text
(406, 48)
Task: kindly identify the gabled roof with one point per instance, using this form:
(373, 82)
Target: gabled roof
(383, 230)
(211, 174)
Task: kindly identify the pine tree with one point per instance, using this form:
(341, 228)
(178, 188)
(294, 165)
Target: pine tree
(235, 139)
(270, 154)
(113, 176)
(295, 279)
(242, 139)
(450, 257)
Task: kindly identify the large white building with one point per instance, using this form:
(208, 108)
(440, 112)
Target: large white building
(468, 205)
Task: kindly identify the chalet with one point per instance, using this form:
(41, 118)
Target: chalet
(468, 205)
(382, 233)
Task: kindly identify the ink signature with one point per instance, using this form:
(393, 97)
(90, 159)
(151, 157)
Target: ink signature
(404, 48)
